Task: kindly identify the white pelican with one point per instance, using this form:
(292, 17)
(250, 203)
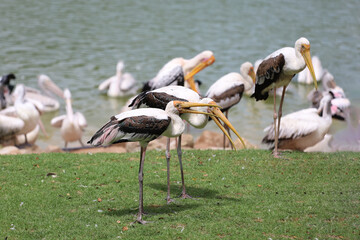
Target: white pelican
(277, 70)
(47, 96)
(9, 127)
(159, 98)
(340, 105)
(305, 76)
(302, 129)
(5, 90)
(143, 126)
(179, 70)
(72, 124)
(228, 90)
(122, 84)
(24, 111)
(329, 84)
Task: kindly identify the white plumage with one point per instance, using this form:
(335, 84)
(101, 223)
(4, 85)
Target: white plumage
(277, 70)
(227, 91)
(178, 70)
(121, 84)
(71, 124)
(24, 111)
(47, 97)
(303, 128)
(143, 125)
(305, 76)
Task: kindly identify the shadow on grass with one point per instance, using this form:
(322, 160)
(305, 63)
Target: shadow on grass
(195, 192)
(156, 209)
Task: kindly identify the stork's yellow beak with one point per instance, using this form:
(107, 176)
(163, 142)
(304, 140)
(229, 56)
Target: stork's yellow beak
(218, 123)
(184, 107)
(307, 57)
(189, 77)
(216, 111)
(252, 74)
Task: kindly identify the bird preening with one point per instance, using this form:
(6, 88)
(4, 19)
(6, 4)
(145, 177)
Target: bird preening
(143, 126)
(171, 102)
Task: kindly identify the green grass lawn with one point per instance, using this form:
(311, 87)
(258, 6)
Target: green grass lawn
(239, 195)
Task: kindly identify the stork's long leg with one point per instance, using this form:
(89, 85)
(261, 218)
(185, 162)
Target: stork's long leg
(275, 129)
(280, 111)
(141, 176)
(227, 129)
(179, 152)
(167, 153)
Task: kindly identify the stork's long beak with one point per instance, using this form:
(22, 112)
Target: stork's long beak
(189, 77)
(218, 123)
(216, 111)
(184, 107)
(252, 74)
(307, 57)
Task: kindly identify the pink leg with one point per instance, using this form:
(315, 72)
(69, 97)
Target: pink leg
(280, 111)
(275, 153)
(167, 153)
(179, 152)
(141, 176)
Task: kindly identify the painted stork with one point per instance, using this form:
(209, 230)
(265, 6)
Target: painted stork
(120, 85)
(228, 90)
(5, 89)
(180, 70)
(277, 70)
(302, 129)
(47, 95)
(71, 124)
(159, 98)
(143, 126)
(305, 76)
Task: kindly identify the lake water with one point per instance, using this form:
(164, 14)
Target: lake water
(78, 43)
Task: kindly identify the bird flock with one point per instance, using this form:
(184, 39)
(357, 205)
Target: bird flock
(170, 100)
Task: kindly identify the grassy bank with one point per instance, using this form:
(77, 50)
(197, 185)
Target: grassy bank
(239, 195)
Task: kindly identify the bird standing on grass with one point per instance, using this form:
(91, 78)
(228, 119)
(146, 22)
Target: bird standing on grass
(159, 98)
(277, 70)
(143, 126)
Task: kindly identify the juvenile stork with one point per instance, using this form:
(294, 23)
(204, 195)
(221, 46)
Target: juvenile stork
(143, 126)
(120, 85)
(277, 70)
(180, 71)
(228, 90)
(159, 98)
(302, 129)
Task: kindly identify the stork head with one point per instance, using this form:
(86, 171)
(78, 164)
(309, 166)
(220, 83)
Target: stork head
(196, 64)
(302, 45)
(247, 69)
